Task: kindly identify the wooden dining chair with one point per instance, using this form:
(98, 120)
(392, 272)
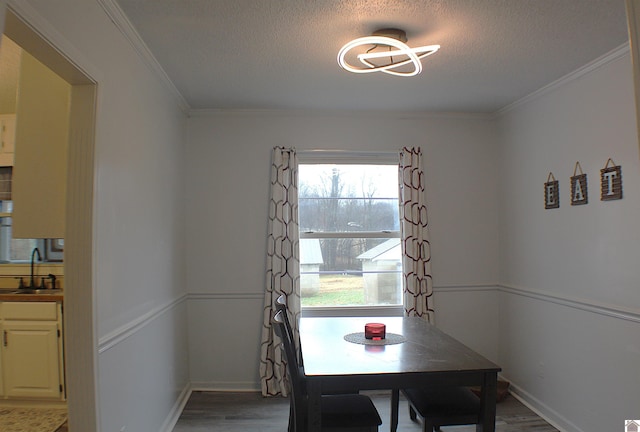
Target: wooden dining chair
(447, 406)
(281, 305)
(343, 412)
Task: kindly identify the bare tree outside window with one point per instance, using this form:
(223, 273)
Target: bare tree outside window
(349, 213)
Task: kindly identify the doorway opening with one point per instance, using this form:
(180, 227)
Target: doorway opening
(80, 341)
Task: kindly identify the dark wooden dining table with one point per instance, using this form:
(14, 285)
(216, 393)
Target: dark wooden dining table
(427, 357)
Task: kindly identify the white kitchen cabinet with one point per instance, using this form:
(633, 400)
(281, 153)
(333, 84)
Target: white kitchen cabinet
(1, 365)
(7, 139)
(39, 176)
(32, 350)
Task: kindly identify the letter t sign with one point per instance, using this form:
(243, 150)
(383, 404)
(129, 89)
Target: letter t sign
(611, 182)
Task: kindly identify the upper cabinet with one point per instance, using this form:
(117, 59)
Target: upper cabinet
(41, 143)
(10, 55)
(7, 139)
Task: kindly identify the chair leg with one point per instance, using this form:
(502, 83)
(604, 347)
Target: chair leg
(395, 401)
(290, 426)
(427, 426)
(412, 414)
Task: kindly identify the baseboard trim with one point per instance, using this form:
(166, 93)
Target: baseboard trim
(226, 386)
(176, 411)
(542, 410)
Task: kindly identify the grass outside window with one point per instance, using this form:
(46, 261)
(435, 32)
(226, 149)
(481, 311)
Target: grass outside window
(337, 290)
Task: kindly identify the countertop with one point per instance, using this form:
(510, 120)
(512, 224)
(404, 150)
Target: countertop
(11, 295)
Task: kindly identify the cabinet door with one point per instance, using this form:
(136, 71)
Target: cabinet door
(40, 171)
(30, 357)
(1, 369)
(7, 138)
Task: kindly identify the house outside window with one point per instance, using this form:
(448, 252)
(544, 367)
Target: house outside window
(350, 255)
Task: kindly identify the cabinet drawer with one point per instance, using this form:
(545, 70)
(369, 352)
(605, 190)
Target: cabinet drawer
(29, 311)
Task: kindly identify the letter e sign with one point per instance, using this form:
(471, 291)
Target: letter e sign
(551, 193)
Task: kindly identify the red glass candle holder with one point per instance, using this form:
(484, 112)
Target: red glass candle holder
(375, 331)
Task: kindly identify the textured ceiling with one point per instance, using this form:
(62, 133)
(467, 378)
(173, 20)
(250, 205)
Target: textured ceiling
(262, 54)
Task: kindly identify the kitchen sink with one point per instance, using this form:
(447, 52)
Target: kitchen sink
(27, 291)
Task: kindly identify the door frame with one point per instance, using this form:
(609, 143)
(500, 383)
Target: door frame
(29, 30)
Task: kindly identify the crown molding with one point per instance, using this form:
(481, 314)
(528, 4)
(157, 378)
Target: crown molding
(601, 61)
(122, 23)
(396, 115)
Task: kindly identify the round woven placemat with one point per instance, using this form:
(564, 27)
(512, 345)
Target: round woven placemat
(390, 339)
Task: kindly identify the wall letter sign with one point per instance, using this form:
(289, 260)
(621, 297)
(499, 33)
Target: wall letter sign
(610, 182)
(551, 193)
(579, 192)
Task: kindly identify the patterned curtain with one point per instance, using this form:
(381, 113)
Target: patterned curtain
(416, 249)
(283, 272)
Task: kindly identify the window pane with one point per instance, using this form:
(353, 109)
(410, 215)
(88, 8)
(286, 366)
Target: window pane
(348, 198)
(12, 249)
(21, 249)
(350, 271)
(354, 269)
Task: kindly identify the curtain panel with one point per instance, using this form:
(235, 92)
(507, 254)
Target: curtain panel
(416, 249)
(283, 269)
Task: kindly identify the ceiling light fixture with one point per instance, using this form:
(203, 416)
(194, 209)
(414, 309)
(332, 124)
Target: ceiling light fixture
(380, 46)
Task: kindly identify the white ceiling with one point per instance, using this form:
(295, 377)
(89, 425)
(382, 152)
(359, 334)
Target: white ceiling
(281, 54)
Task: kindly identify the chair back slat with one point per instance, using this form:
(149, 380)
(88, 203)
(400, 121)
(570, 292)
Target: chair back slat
(296, 374)
(281, 305)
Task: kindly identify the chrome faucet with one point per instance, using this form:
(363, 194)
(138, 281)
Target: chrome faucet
(36, 251)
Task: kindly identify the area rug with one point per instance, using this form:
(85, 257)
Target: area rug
(31, 419)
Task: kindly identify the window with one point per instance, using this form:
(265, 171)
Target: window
(13, 250)
(350, 255)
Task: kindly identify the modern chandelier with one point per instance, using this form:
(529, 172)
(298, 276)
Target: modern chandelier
(384, 51)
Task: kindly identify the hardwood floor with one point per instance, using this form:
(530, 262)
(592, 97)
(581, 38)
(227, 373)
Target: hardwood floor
(240, 412)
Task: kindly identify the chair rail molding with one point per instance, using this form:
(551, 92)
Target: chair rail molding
(609, 310)
(226, 296)
(122, 333)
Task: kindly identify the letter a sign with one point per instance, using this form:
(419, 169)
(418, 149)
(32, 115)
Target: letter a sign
(579, 192)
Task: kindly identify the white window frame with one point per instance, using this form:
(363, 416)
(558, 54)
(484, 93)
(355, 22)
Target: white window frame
(344, 157)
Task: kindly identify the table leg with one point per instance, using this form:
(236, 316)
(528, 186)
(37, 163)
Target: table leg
(488, 398)
(395, 401)
(314, 415)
